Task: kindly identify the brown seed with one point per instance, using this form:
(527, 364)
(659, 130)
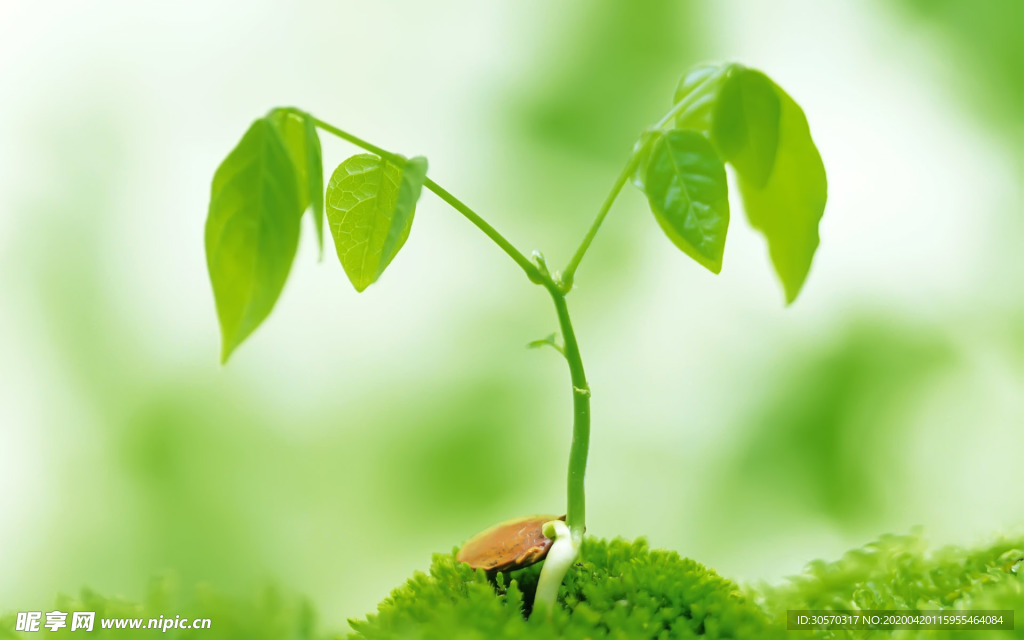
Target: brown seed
(509, 545)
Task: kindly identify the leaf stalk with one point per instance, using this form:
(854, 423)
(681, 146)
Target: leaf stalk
(565, 284)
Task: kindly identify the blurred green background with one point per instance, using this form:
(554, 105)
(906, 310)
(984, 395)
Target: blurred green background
(353, 435)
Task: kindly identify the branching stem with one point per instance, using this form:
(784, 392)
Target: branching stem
(537, 272)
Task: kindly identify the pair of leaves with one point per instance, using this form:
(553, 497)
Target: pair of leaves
(252, 229)
(259, 193)
(737, 115)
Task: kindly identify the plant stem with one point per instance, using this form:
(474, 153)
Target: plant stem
(538, 273)
(577, 504)
(441, 192)
(359, 142)
(680, 107)
(570, 269)
(489, 231)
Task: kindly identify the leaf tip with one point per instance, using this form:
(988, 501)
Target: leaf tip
(228, 344)
(359, 286)
(791, 292)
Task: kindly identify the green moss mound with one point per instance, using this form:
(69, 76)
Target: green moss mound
(625, 590)
(267, 614)
(619, 589)
(900, 572)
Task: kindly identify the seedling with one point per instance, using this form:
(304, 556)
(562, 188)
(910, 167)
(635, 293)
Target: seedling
(721, 114)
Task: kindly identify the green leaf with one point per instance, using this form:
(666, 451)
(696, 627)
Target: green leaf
(745, 126)
(758, 129)
(292, 132)
(549, 341)
(694, 100)
(370, 208)
(299, 135)
(787, 203)
(252, 231)
(414, 173)
(687, 190)
(738, 109)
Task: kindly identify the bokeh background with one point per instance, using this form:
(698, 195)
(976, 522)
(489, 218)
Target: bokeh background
(354, 435)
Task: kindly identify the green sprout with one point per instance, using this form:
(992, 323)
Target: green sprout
(722, 114)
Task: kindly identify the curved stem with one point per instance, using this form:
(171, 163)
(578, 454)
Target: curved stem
(679, 109)
(562, 554)
(570, 269)
(359, 142)
(489, 231)
(538, 273)
(576, 507)
(441, 192)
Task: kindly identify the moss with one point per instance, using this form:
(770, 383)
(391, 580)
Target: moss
(620, 589)
(900, 572)
(625, 590)
(269, 614)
